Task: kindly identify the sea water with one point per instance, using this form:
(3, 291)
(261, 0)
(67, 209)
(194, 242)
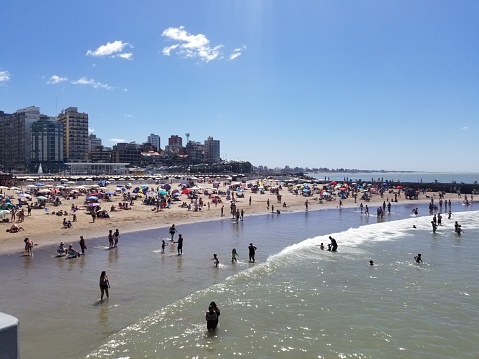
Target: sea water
(297, 300)
(419, 177)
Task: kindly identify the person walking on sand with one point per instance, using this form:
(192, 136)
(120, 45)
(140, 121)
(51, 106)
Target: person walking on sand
(82, 245)
(252, 252)
(234, 256)
(180, 245)
(104, 285)
(215, 258)
(172, 232)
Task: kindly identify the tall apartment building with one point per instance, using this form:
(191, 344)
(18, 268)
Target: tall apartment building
(212, 150)
(15, 138)
(47, 143)
(154, 140)
(76, 140)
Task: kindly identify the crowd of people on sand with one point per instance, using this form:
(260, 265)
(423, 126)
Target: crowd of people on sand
(197, 204)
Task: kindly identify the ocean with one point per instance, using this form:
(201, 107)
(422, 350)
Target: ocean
(424, 177)
(296, 300)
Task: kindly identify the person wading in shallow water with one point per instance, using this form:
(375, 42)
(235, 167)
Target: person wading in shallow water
(252, 252)
(180, 244)
(104, 285)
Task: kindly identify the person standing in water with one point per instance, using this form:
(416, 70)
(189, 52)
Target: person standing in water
(457, 228)
(82, 245)
(104, 285)
(234, 256)
(110, 238)
(334, 244)
(163, 245)
(418, 258)
(180, 244)
(172, 232)
(252, 252)
(215, 258)
(116, 237)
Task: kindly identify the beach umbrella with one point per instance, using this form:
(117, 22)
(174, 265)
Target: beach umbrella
(24, 195)
(14, 188)
(42, 198)
(3, 187)
(163, 192)
(92, 198)
(30, 180)
(110, 192)
(166, 186)
(93, 204)
(176, 194)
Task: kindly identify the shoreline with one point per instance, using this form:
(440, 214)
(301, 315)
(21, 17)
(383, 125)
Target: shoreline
(47, 229)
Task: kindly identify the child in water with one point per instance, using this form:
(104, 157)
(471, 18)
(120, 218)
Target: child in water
(418, 258)
(234, 255)
(217, 261)
(163, 245)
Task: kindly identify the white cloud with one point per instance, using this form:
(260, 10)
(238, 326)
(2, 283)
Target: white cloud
(234, 55)
(112, 49)
(91, 130)
(92, 83)
(465, 128)
(4, 76)
(125, 55)
(55, 80)
(190, 46)
(237, 52)
(117, 140)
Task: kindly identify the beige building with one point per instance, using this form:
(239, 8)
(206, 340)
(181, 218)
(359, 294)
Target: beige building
(76, 139)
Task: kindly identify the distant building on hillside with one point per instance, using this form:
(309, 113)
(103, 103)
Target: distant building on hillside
(154, 140)
(76, 139)
(93, 142)
(175, 144)
(212, 150)
(127, 153)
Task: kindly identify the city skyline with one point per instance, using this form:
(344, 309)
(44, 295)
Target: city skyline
(371, 85)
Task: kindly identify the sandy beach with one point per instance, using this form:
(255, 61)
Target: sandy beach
(45, 228)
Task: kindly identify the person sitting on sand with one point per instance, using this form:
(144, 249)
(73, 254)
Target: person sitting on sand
(15, 228)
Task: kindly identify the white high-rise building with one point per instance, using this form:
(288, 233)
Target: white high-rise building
(154, 140)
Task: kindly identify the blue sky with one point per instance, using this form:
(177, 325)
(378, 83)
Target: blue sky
(388, 85)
